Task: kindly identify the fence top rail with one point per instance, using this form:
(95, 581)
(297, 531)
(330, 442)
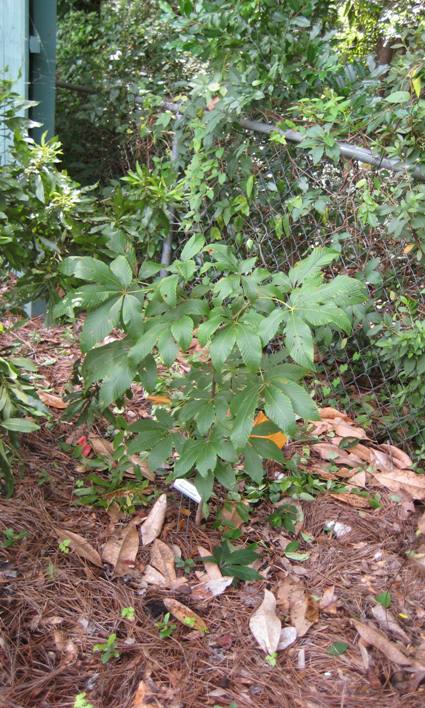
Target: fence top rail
(353, 152)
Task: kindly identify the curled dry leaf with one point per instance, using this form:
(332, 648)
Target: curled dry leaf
(141, 695)
(344, 430)
(397, 456)
(154, 522)
(329, 452)
(185, 615)
(212, 569)
(387, 621)
(265, 625)
(403, 481)
(121, 549)
(163, 559)
(377, 639)
(328, 600)
(79, 544)
(287, 637)
(49, 399)
(154, 577)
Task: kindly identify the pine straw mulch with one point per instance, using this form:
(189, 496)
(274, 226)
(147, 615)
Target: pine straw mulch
(56, 606)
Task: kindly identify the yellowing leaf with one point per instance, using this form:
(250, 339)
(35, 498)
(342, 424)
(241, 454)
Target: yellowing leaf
(265, 625)
(185, 615)
(160, 400)
(154, 522)
(409, 247)
(279, 439)
(417, 85)
(82, 547)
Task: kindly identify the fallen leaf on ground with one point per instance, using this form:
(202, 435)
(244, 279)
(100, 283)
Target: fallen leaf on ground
(328, 412)
(154, 522)
(293, 599)
(49, 399)
(163, 559)
(229, 515)
(212, 569)
(65, 646)
(344, 430)
(329, 452)
(328, 600)
(82, 547)
(377, 639)
(185, 615)
(101, 447)
(287, 637)
(140, 695)
(387, 621)
(265, 625)
(154, 577)
(363, 452)
(352, 500)
(211, 588)
(397, 456)
(358, 480)
(402, 481)
(121, 549)
(143, 466)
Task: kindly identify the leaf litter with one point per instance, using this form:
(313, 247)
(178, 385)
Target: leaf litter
(317, 602)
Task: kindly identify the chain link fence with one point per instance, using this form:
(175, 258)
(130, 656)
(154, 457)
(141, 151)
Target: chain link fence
(296, 206)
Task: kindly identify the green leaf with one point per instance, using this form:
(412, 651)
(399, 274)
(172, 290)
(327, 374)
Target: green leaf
(312, 265)
(160, 453)
(19, 425)
(100, 322)
(168, 289)
(131, 312)
(278, 408)
(384, 599)
(188, 456)
(204, 484)
(299, 341)
(253, 465)
(222, 345)
(398, 97)
(337, 648)
(207, 329)
(225, 475)
(122, 270)
(192, 247)
(249, 345)
(167, 348)
(182, 331)
(270, 325)
(150, 268)
(243, 407)
(91, 269)
(291, 552)
(267, 449)
(249, 186)
(39, 189)
(206, 417)
(301, 400)
(206, 459)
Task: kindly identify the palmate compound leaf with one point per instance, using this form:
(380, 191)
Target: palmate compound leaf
(312, 265)
(299, 341)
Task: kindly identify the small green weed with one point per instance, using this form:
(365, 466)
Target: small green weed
(165, 627)
(108, 649)
(64, 546)
(128, 613)
(11, 537)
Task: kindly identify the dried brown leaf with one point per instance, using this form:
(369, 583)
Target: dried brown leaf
(185, 615)
(210, 588)
(49, 399)
(344, 430)
(154, 577)
(212, 569)
(329, 413)
(265, 625)
(421, 523)
(327, 451)
(154, 522)
(377, 639)
(101, 447)
(328, 598)
(120, 550)
(82, 547)
(294, 601)
(352, 500)
(141, 694)
(143, 466)
(287, 637)
(402, 481)
(397, 456)
(387, 621)
(163, 559)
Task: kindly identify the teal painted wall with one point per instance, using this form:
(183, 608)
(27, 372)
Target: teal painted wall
(43, 65)
(14, 59)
